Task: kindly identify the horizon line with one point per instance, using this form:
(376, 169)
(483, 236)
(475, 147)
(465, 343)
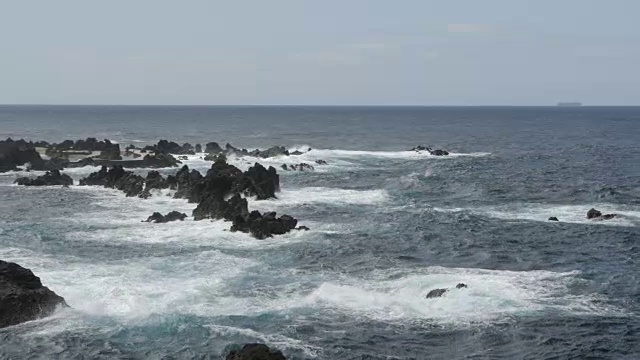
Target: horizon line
(558, 105)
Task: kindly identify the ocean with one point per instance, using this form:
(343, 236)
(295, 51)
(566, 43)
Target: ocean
(387, 226)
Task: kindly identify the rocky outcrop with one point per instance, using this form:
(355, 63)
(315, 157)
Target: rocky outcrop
(431, 151)
(264, 226)
(297, 167)
(259, 182)
(172, 216)
(214, 148)
(23, 297)
(170, 147)
(107, 149)
(216, 157)
(158, 160)
(198, 148)
(436, 293)
(154, 161)
(111, 153)
(255, 352)
(50, 178)
(594, 214)
(116, 178)
(270, 152)
(553, 218)
(218, 194)
(18, 153)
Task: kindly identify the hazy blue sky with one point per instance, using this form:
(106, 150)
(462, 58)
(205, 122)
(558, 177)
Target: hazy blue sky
(476, 52)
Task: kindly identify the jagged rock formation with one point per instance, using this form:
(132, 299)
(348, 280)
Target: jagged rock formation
(23, 297)
(50, 178)
(431, 151)
(218, 193)
(594, 214)
(297, 167)
(172, 216)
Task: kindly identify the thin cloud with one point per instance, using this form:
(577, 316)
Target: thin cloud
(469, 28)
(327, 58)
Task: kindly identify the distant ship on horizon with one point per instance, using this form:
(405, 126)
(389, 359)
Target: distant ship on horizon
(569, 104)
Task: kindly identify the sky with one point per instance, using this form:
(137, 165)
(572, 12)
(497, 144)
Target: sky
(322, 52)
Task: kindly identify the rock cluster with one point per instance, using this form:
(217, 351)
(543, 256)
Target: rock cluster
(214, 148)
(172, 216)
(594, 214)
(14, 153)
(297, 167)
(53, 177)
(437, 152)
(218, 193)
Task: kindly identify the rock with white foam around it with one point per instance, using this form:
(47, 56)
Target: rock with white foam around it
(436, 293)
(50, 178)
(594, 214)
(22, 296)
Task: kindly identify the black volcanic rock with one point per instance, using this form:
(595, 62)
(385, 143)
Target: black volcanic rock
(116, 178)
(50, 178)
(172, 216)
(17, 153)
(436, 152)
(159, 160)
(212, 148)
(264, 226)
(435, 293)
(298, 167)
(255, 352)
(553, 218)
(111, 153)
(260, 182)
(594, 214)
(23, 297)
(271, 152)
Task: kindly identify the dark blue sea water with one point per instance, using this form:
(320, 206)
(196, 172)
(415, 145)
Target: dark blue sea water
(387, 225)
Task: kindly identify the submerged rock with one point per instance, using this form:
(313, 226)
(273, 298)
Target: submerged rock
(461, 285)
(23, 297)
(172, 216)
(321, 162)
(255, 352)
(553, 218)
(50, 178)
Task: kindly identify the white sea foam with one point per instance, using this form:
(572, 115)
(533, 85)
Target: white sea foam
(323, 195)
(491, 295)
(336, 153)
(577, 214)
